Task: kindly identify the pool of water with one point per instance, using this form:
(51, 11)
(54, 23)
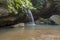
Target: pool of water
(30, 26)
(31, 32)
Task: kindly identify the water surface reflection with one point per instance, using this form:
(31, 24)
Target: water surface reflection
(37, 32)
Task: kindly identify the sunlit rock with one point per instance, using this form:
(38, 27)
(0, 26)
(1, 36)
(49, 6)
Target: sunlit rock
(19, 25)
(55, 18)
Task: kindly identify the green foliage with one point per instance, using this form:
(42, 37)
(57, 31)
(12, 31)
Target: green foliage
(14, 5)
(57, 4)
(38, 3)
(1, 1)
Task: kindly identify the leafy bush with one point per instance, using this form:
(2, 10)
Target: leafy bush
(38, 3)
(57, 4)
(14, 5)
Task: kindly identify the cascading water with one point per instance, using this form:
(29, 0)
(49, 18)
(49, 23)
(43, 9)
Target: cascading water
(31, 17)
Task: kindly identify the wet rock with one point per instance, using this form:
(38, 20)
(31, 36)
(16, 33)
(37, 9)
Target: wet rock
(42, 21)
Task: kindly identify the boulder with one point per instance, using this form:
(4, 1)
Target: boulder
(56, 19)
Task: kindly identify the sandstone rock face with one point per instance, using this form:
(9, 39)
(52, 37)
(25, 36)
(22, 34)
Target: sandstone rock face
(5, 19)
(3, 8)
(3, 11)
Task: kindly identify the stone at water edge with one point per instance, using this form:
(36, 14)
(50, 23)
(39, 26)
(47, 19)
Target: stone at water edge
(18, 25)
(55, 18)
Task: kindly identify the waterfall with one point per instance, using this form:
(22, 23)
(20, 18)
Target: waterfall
(31, 17)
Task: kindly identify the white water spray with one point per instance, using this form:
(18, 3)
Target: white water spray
(31, 17)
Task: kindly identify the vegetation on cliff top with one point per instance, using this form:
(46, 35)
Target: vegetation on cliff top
(23, 5)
